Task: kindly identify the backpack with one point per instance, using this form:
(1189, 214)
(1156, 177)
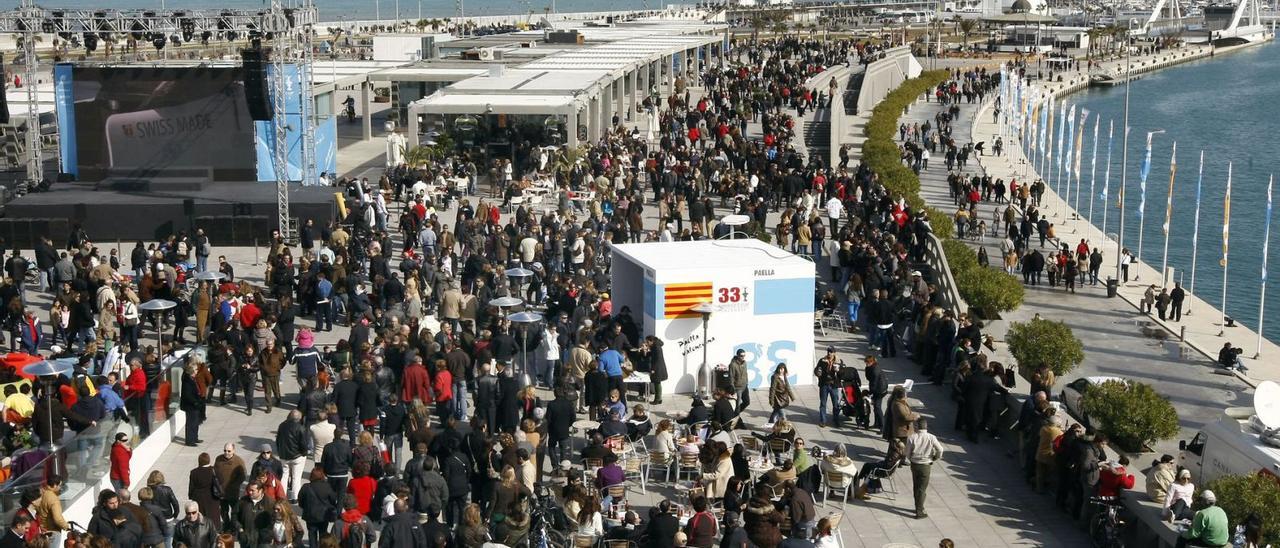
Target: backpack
(354, 535)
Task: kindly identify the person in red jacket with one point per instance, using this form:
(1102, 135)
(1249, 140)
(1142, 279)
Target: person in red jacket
(121, 454)
(415, 383)
(442, 385)
(138, 398)
(1113, 479)
(362, 486)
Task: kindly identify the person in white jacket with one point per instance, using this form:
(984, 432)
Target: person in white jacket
(550, 355)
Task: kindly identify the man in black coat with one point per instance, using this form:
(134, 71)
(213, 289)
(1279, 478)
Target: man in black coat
(335, 460)
(979, 388)
(663, 526)
(46, 258)
(291, 449)
(508, 406)
(193, 405)
(402, 529)
(456, 469)
(879, 386)
(652, 348)
(561, 414)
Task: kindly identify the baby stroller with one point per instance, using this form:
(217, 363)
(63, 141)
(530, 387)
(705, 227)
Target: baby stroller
(854, 403)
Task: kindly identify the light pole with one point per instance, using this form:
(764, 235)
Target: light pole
(707, 376)
(1124, 154)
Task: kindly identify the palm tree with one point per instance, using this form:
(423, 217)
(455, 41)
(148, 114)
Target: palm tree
(758, 23)
(966, 27)
(567, 157)
(417, 156)
(779, 29)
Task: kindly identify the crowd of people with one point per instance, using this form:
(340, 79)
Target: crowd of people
(428, 364)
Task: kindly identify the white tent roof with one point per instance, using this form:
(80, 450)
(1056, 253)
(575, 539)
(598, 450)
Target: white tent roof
(710, 255)
(503, 104)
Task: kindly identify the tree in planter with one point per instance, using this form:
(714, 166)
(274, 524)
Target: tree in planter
(1255, 494)
(989, 291)
(1043, 342)
(1131, 414)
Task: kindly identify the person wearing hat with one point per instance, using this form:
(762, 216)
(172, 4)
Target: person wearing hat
(121, 454)
(1177, 502)
(1208, 526)
(267, 462)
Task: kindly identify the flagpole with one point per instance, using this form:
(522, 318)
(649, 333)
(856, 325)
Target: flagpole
(1168, 215)
(1226, 229)
(1067, 157)
(1266, 243)
(1084, 121)
(1106, 180)
(1195, 235)
(1093, 171)
(1142, 201)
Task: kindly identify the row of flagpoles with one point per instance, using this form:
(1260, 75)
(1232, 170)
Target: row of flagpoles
(1028, 115)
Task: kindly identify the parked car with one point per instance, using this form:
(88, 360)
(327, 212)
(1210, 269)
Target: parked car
(1072, 396)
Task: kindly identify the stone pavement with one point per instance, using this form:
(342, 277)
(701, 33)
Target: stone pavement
(1118, 340)
(971, 498)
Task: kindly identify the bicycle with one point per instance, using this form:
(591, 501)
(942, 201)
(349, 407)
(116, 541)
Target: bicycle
(542, 531)
(1106, 526)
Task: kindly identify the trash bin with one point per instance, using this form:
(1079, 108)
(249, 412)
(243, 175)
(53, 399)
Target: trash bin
(1113, 286)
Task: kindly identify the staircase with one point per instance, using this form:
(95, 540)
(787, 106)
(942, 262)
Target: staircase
(817, 134)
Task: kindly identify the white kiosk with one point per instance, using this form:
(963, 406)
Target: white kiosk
(760, 297)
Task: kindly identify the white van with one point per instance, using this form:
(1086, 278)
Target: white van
(1230, 446)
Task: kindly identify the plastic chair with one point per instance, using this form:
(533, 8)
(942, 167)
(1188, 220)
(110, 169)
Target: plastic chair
(688, 464)
(584, 541)
(662, 461)
(632, 468)
(836, 482)
(780, 447)
(589, 467)
(887, 483)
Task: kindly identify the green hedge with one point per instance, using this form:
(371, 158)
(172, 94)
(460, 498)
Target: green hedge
(1131, 414)
(989, 291)
(1044, 342)
(1255, 494)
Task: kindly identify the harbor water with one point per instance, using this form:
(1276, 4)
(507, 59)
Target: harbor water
(1224, 106)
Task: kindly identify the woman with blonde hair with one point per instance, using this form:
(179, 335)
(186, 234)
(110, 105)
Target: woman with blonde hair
(471, 532)
(507, 491)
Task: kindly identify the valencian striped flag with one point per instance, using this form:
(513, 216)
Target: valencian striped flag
(1168, 206)
(1142, 178)
(1226, 216)
(1266, 240)
(1106, 174)
(679, 299)
(1062, 124)
(1084, 117)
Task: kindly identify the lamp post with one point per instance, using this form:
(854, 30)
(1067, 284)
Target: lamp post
(705, 309)
(1124, 154)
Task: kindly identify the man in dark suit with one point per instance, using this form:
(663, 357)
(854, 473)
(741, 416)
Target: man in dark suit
(15, 535)
(978, 390)
(662, 527)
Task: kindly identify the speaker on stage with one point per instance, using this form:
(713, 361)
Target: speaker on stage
(254, 61)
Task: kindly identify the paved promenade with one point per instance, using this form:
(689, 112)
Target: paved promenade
(1118, 339)
(972, 498)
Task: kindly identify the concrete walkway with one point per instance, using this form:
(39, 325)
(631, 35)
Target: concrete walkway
(1118, 340)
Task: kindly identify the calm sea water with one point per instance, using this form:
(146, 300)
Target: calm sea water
(1225, 107)
(334, 10)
